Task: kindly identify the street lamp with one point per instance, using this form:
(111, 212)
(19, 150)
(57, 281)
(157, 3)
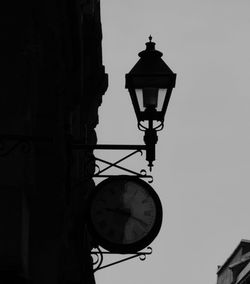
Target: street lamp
(150, 83)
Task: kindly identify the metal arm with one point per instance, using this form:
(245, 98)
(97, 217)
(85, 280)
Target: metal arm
(77, 145)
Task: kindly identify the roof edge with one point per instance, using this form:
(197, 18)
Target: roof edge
(242, 242)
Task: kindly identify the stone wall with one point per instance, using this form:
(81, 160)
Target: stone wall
(52, 85)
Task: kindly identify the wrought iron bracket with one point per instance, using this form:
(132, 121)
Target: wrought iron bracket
(100, 172)
(98, 257)
(79, 146)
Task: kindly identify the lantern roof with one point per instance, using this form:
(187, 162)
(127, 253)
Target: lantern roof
(150, 62)
(150, 80)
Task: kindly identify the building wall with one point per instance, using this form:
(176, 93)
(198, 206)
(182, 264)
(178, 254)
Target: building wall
(225, 276)
(52, 87)
(228, 272)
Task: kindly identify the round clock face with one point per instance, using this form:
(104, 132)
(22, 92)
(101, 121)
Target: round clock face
(125, 214)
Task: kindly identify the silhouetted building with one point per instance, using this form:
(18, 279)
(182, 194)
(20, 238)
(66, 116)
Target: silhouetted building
(236, 269)
(52, 84)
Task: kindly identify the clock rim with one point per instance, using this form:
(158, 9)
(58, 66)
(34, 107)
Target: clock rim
(135, 246)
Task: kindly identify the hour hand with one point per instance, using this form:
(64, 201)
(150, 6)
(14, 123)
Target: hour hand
(119, 211)
(144, 224)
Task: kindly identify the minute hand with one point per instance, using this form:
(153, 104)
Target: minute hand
(144, 224)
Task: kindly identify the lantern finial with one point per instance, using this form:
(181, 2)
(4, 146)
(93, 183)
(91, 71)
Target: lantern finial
(150, 38)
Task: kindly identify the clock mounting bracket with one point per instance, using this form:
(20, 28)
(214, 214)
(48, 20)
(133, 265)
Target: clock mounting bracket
(98, 257)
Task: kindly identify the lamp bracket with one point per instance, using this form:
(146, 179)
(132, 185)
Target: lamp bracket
(99, 172)
(98, 257)
(80, 146)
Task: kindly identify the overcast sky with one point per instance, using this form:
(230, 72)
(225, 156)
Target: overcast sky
(202, 171)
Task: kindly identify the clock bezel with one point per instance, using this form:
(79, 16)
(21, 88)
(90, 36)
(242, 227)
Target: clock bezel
(136, 246)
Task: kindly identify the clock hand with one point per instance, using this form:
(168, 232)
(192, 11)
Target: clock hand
(126, 213)
(132, 197)
(144, 224)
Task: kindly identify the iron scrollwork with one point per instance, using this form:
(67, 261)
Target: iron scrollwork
(141, 174)
(5, 150)
(99, 173)
(98, 257)
(10, 143)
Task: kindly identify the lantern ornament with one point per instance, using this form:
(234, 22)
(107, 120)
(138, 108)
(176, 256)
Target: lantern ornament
(150, 83)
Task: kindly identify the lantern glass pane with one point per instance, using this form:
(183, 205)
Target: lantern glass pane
(139, 96)
(161, 98)
(150, 97)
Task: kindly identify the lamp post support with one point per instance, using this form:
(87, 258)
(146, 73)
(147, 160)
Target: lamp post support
(150, 139)
(77, 145)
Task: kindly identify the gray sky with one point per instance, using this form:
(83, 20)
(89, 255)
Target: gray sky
(202, 169)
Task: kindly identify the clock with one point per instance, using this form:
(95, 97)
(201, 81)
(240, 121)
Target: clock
(124, 214)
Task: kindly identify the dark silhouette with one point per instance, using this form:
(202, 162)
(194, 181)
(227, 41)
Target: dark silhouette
(52, 81)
